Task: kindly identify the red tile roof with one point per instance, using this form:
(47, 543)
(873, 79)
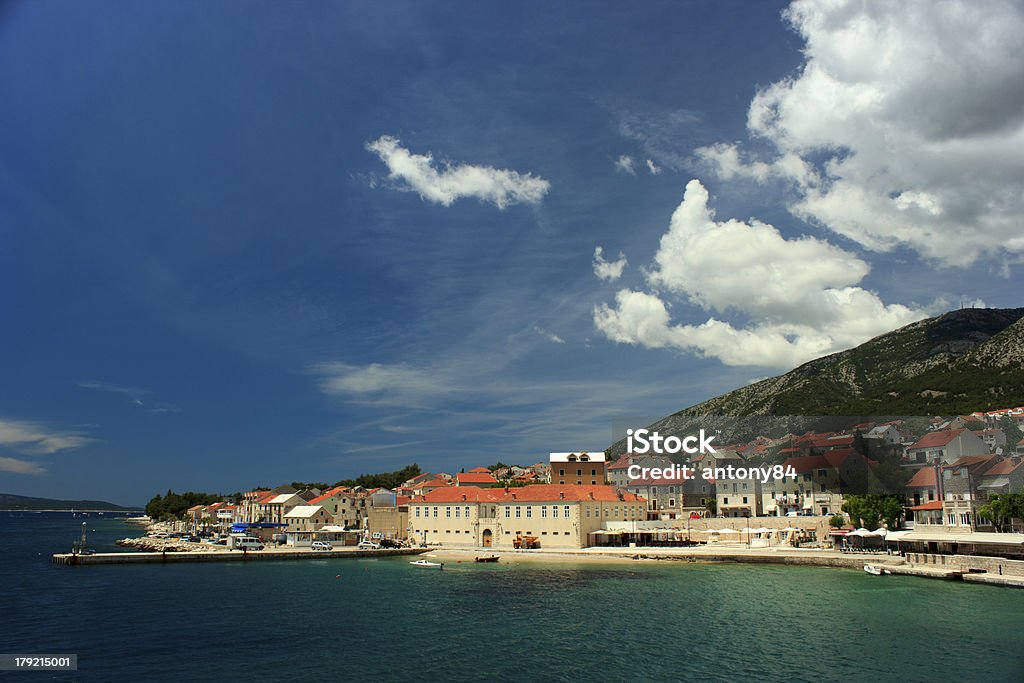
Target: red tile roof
(535, 493)
(924, 477)
(1005, 467)
(475, 478)
(479, 470)
(437, 483)
(937, 439)
(930, 505)
(809, 463)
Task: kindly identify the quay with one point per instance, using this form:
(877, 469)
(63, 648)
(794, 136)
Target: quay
(76, 559)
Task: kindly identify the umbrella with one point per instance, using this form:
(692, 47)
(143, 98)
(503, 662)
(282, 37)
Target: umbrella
(727, 530)
(762, 530)
(881, 532)
(862, 532)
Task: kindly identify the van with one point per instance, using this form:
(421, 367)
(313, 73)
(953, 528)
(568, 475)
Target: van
(249, 543)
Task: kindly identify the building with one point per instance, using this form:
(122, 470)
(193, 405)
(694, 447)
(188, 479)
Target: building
(618, 472)
(273, 508)
(945, 446)
(475, 479)
(342, 505)
(738, 497)
(559, 516)
(388, 519)
(1006, 476)
(579, 469)
(673, 497)
(961, 496)
(994, 438)
(819, 484)
(307, 518)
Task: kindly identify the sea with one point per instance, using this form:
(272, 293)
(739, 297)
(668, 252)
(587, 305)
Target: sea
(383, 620)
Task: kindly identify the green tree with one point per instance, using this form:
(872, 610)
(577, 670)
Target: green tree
(837, 521)
(711, 505)
(1012, 432)
(870, 510)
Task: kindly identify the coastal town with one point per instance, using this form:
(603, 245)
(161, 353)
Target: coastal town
(955, 472)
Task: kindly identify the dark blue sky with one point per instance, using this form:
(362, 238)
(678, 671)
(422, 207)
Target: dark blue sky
(209, 281)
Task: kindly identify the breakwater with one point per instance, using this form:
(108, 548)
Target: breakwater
(224, 556)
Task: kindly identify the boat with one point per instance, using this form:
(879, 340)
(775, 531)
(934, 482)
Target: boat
(875, 570)
(428, 564)
(488, 558)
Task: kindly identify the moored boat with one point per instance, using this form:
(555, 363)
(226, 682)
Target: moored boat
(875, 570)
(428, 564)
(487, 558)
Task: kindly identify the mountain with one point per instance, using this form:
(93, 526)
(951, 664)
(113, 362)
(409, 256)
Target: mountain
(10, 501)
(959, 362)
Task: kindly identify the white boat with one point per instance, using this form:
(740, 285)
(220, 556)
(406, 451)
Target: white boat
(876, 570)
(428, 564)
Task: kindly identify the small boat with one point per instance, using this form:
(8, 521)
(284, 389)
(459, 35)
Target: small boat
(488, 558)
(875, 570)
(428, 564)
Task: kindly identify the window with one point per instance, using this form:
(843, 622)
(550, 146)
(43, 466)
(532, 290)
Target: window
(579, 473)
(447, 511)
(417, 512)
(519, 512)
(671, 489)
(435, 512)
(467, 512)
(508, 512)
(567, 514)
(561, 473)
(744, 500)
(593, 473)
(671, 502)
(457, 513)
(544, 511)
(588, 512)
(725, 501)
(529, 511)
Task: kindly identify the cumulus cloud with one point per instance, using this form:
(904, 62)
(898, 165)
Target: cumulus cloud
(625, 164)
(904, 126)
(608, 270)
(417, 172)
(799, 297)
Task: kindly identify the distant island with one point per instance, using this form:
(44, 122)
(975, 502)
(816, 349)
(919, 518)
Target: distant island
(10, 501)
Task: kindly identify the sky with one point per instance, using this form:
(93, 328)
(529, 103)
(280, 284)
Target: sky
(245, 244)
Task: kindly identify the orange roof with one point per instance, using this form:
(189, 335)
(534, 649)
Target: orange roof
(435, 483)
(937, 439)
(534, 493)
(402, 500)
(475, 478)
(923, 477)
(930, 505)
(1005, 467)
(830, 460)
(479, 470)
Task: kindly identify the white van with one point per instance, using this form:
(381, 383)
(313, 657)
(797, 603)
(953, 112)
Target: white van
(248, 543)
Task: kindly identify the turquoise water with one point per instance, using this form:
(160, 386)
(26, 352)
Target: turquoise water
(382, 619)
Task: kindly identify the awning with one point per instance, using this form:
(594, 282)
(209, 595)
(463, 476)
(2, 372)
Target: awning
(997, 483)
(977, 537)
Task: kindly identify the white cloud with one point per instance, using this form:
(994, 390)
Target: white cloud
(653, 167)
(550, 336)
(608, 270)
(20, 466)
(32, 438)
(417, 173)
(341, 379)
(799, 295)
(625, 164)
(904, 126)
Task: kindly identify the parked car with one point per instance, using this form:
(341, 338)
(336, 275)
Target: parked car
(249, 543)
(390, 543)
(322, 545)
(368, 545)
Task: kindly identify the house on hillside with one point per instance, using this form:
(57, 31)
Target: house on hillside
(944, 446)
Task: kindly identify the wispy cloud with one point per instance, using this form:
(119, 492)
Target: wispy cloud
(417, 172)
(550, 336)
(32, 438)
(20, 466)
(135, 395)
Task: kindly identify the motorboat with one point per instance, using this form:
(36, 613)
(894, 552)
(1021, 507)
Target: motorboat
(487, 558)
(875, 570)
(427, 564)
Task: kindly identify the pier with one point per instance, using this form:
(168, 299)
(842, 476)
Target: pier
(76, 559)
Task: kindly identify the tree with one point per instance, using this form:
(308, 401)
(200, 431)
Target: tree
(711, 506)
(1012, 432)
(837, 521)
(871, 509)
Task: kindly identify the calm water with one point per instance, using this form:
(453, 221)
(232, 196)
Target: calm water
(385, 620)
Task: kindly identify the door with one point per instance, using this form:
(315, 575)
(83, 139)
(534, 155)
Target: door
(487, 538)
